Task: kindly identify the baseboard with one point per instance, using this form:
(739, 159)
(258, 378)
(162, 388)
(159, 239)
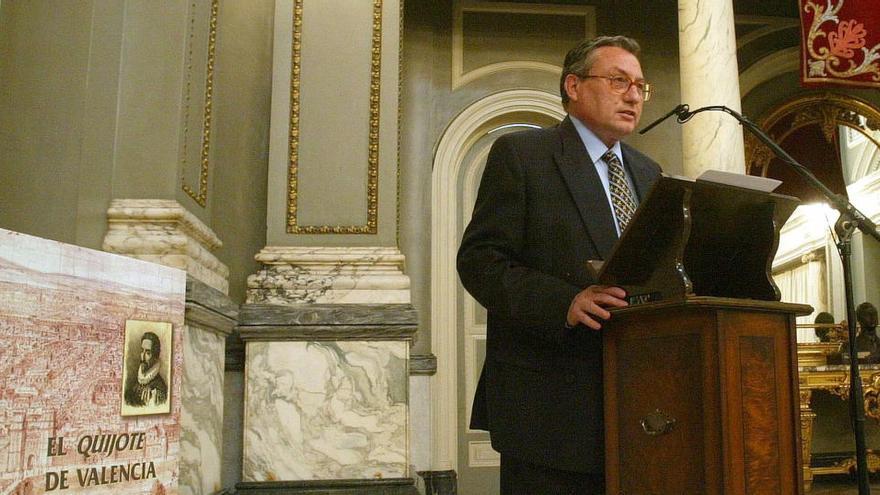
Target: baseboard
(393, 486)
(440, 482)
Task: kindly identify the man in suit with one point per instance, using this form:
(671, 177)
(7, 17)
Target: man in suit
(550, 200)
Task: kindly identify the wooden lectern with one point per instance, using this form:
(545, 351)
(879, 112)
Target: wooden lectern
(701, 385)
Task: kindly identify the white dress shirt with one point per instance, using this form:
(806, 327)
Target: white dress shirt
(596, 149)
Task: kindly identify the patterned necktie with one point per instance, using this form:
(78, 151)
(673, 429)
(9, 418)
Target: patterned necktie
(621, 196)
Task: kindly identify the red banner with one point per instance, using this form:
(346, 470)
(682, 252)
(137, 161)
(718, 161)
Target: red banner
(840, 43)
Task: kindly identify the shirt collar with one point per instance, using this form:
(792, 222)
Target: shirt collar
(595, 147)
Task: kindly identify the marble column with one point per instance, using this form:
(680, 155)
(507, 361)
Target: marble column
(709, 76)
(327, 323)
(343, 275)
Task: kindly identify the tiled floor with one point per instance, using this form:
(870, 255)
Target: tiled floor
(841, 485)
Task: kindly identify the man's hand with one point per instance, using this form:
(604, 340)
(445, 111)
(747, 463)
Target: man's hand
(591, 302)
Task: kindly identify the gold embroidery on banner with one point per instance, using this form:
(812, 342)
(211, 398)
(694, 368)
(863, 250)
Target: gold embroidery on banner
(293, 226)
(201, 196)
(837, 59)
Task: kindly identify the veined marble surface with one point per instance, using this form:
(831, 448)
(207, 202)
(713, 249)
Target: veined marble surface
(709, 76)
(339, 275)
(326, 410)
(420, 419)
(164, 232)
(201, 412)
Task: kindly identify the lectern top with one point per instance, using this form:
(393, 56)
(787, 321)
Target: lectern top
(698, 238)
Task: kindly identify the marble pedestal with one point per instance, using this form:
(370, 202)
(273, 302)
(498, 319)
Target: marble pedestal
(326, 398)
(341, 275)
(164, 232)
(210, 317)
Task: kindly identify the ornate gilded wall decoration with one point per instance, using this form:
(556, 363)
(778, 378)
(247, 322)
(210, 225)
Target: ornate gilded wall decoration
(825, 110)
(293, 226)
(841, 42)
(399, 114)
(200, 195)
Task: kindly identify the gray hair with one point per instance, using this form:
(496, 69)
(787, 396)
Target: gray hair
(580, 59)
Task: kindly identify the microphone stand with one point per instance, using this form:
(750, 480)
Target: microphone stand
(850, 220)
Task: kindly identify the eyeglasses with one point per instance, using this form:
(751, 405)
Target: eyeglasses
(621, 84)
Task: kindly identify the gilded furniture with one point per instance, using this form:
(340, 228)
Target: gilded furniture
(835, 380)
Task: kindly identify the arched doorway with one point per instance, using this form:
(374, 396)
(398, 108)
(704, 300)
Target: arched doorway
(457, 322)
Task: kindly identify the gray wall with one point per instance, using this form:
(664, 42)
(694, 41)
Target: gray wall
(787, 86)
(44, 64)
(240, 154)
(91, 110)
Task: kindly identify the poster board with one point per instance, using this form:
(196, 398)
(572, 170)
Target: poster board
(63, 314)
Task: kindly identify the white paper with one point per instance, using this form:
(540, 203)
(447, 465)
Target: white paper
(753, 182)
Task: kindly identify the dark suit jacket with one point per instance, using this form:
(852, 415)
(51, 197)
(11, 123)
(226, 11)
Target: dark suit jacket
(541, 213)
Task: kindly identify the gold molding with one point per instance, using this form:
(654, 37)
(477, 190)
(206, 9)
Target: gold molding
(399, 107)
(847, 466)
(293, 226)
(826, 109)
(201, 196)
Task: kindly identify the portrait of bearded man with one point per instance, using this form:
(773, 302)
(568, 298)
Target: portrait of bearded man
(147, 387)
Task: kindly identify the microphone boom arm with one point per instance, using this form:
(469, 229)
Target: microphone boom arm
(839, 202)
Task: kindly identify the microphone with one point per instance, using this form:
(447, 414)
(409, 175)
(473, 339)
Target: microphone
(681, 111)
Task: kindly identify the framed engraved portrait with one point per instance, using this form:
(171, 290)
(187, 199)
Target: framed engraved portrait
(146, 368)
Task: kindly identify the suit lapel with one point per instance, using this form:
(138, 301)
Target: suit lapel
(586, 189)
(641, 174)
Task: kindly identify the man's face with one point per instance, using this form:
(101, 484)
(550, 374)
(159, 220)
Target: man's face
(868, 317)
(147, 352)
(611, 116)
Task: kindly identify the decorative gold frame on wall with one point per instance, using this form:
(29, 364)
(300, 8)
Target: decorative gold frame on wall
(399, 110)
(293, 226)
(827, 109)
(200, 197)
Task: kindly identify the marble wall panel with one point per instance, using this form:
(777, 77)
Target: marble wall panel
(326, 410)
(420, 419)
(201, 415)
